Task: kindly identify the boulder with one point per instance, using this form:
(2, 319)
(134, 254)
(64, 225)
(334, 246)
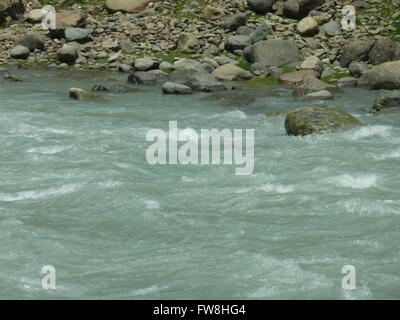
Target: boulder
(195, 77)
(19, 52)
(357, 50)
(36, 15)
(76, 34)
(212, 13)
(126, 45)
(358, 68)
(151, 77)
(312, 63)
(383, 76)
(261, 6)
(176, 88)
(146, 64)
(386, 99)
(68, 53)
(131, 6)
(234, 22)
(274, 52)
(80, 94)
(347, 82)
(331, 28)
(384, 50)
(318, 95)
(307, 27)
(311, 85)
(261, 32)
(300, 8)
(69, 19)
(318, 119)
(237, 42)
(188, 43)
(258, 69)
(231, 72)
(297, 77)
(31, 40)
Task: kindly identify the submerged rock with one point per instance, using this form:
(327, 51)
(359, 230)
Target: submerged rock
(195, 77)
(386, 99)
(236, 101)
(117, 88)
(13, 78)
(318, 95)
(318, 119)
(176, 88)
(81, 94)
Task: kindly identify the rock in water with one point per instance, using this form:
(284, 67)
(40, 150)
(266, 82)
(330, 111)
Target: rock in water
(274, 53)
(176, 88)
(386, 99)
(81, 94)
(195, 77)
(384, 76)
(318, 119)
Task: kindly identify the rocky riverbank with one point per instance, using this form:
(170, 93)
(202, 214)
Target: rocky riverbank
(188, 46)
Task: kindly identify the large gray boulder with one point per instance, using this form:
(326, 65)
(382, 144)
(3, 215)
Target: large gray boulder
(197, 78)
(237, 42)
(383, 76)
(261, 6)
(312, 85)
(331, 28)
(230, 72)
(188, 43)
(358, 68)
(357, 50)
(300, 8)
(68, 53)
(386, 99)
(318, 119)
(384, 50)
(151, 77)
(273, 52)
(76, 34)
(234, 22)
(31, 40)
(19, 52)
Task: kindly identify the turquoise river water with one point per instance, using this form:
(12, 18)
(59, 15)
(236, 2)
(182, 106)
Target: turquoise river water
(77, 193)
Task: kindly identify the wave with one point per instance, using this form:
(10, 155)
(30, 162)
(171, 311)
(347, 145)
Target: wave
(39, 194)
(361, 181)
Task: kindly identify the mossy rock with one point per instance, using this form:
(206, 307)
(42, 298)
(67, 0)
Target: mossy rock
(319, 119)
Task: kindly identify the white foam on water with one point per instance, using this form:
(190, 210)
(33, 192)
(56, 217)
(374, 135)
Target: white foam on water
(369, 208)
(237, 114)
(152, 204)
(187, 179)
(369, 131)
(48, 150)
(145, 291)
(109, 184)
(277, 188)
(39, 194)
(391, 155)
(360, 181)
